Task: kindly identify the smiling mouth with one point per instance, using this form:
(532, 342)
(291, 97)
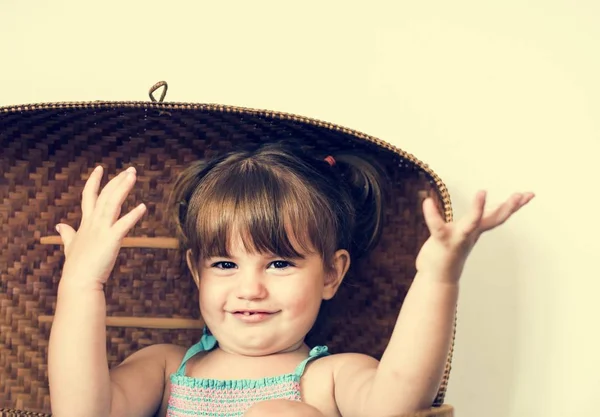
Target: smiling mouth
(252, 312)
(253, 316)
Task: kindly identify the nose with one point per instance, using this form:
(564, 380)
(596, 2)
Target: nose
(251, 286)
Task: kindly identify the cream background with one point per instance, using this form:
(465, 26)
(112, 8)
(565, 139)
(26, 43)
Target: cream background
(501, 95)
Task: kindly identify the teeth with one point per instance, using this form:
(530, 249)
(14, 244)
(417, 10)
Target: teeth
(246, 313)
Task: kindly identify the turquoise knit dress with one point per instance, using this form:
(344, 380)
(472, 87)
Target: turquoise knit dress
(230, 398)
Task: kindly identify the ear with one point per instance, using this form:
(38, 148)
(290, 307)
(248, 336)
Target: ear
(191, 263)
(334, 278)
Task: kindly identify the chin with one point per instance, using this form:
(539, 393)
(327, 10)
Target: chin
(258, 346)
(254, 352)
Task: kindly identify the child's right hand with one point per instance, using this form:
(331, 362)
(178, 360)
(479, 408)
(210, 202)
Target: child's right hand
(92, 251)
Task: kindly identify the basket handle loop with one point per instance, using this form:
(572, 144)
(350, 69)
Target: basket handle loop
(156, 87)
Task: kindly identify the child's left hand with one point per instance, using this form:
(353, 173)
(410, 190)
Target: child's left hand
(444, 254)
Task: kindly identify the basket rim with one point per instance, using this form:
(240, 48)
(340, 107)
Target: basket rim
(103, 104)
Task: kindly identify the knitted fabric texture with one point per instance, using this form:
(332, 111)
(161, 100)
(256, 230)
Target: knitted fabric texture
(230, 398)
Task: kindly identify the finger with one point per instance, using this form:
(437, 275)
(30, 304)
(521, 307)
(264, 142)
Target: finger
(128, 221)
(433, 219)
(114, 204)
(66, 233)
(470, 222)
(502, 213)
(90, 192)
(113, 184)
(527, 197)
(105, 206)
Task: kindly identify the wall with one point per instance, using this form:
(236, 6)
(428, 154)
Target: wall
(503, 96)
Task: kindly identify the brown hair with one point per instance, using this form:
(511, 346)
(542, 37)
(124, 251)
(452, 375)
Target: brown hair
(281, 200)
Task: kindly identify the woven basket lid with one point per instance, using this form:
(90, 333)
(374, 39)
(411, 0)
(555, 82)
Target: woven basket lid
(48, 151)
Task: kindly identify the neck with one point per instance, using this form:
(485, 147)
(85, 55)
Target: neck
(298, 347)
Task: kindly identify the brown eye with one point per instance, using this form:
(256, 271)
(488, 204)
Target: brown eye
(223, 265)
(281, 264)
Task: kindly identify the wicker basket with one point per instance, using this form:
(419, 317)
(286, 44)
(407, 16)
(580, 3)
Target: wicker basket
(48, 152)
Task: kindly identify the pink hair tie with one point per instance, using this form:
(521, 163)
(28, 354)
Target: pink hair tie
(330, 160)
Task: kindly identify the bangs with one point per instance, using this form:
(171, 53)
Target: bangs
(271, 212)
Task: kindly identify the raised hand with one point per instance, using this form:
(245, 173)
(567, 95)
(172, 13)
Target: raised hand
(91, 252)
(445, 252)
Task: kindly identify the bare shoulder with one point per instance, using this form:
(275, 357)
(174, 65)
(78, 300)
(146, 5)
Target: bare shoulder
(161, 356)
(322, 376)
(172, 354)
(161, 351)
(342, 362)
(139, 382)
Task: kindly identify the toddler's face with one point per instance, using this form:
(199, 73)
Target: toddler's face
(259, 304)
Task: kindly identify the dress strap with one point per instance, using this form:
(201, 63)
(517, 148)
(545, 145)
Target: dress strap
(315, 353)
(206, 343)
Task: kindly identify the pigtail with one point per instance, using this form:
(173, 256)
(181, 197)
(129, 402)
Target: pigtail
(365, 180)
(180, 198)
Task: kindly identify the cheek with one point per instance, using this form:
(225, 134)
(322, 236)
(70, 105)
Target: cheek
(211, 296)
(301, 298)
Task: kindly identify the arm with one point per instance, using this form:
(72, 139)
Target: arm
(412, 366)
(408, 376)
(77, 364)
(80, 382)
